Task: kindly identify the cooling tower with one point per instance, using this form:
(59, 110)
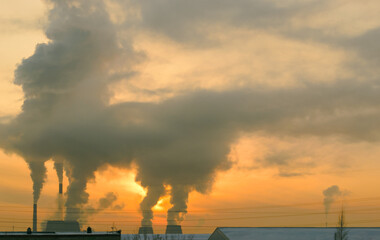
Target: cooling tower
(35, 217)
(60, 188)
(145, 230)
(173, 229)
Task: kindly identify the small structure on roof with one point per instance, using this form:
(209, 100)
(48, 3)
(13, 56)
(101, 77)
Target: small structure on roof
(296, 233)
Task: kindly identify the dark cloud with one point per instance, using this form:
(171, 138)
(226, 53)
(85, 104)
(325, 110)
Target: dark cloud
(290, 174)
(366, 46)
(195, 22)
(289, 162)
(5, 119)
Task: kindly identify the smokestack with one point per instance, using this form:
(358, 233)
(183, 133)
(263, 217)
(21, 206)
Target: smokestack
(145, 230)
(35, 217)
(173, 229)
(60, 188)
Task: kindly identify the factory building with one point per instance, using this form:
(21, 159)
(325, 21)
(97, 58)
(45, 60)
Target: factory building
(62, 226)
(296, 233)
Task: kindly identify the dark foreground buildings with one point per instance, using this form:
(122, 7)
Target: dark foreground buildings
(295, 233)
(60, 236)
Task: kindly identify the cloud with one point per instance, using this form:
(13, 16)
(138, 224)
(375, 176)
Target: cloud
(205, 25)
(191, 22)
(290, 174)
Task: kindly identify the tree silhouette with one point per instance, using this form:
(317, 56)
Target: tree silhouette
(341, 231)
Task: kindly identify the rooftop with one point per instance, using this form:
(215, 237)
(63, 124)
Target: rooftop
(252, 233)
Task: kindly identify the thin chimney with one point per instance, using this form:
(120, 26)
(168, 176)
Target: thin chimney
(60, 188)
(35, 217)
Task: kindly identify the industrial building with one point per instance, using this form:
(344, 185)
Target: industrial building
(62, 226)
(60, 236)
(296, 233)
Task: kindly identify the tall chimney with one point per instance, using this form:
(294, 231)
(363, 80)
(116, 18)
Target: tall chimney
(35, 217)
(60, 188)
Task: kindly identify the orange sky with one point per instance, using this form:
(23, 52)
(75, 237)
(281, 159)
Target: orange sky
(252, 192)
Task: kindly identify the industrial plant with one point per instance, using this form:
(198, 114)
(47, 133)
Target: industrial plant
(59, 229)
(240, 110)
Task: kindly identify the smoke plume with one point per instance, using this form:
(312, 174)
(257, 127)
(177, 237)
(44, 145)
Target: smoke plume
(60, 207)
(107, 201)
(103, 203)
(331, 194)
(38, 175)
(59, 213)
(58, 166)
(153, 195)
(180, 142)
(179, 198)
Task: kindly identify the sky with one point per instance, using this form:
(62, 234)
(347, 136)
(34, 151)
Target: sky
(254, 107)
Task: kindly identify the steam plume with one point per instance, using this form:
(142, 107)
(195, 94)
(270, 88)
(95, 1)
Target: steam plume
(179, 198)
(153, 195)
(38, 175)
(330, 195)
(105, 202)
(59, 213)
(58, 165)
(60, 205)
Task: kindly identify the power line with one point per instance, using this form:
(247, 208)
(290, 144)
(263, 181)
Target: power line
(201, 219)
(104, 210)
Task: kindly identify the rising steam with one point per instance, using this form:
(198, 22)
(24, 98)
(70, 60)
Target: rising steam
(38, 175)
(108, 201)
(330, 195)
(58, 166)
(180, 196)
(152, 196)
